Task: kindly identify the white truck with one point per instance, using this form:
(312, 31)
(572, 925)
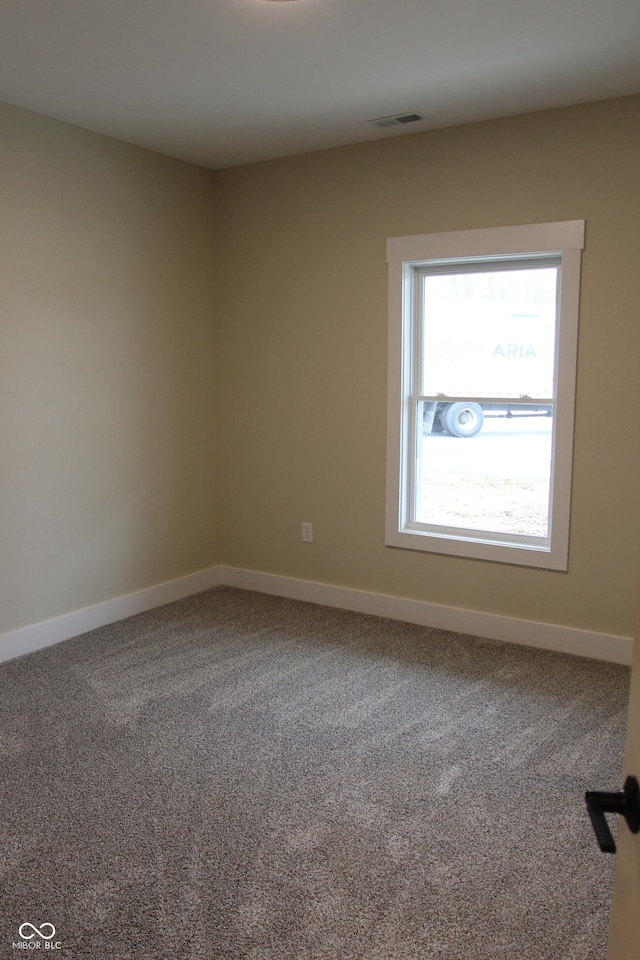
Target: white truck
(465, 418)
(503, 360)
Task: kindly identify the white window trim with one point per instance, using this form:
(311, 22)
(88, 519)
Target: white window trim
(565, 238)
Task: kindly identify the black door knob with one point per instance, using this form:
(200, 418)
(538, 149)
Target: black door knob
(625, 802)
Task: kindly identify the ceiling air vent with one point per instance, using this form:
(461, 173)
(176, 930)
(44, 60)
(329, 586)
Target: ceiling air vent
(399, 118)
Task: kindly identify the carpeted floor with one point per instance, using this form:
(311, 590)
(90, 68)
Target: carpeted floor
(243, 777)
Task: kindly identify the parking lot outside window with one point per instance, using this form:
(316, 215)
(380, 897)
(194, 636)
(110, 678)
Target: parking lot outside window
(483, 328)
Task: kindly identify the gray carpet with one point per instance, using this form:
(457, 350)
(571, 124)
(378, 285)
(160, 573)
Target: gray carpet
(242, 777)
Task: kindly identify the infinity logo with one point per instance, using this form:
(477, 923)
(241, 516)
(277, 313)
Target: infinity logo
(39, 932)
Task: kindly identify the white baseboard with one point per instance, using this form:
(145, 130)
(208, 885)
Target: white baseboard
(529, 633)
(48, 632)
(546, 636)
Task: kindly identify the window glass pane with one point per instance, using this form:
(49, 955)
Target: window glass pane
(496, 480)
(489, 333)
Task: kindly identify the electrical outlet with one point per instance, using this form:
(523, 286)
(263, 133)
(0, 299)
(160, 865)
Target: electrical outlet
(307, 533)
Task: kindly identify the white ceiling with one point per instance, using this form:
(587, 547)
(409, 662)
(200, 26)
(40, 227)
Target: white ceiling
(226, 82)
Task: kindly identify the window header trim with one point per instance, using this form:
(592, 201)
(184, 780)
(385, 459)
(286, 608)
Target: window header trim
(535, 238)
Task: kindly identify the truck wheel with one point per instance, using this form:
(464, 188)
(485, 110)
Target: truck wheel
(462, 419)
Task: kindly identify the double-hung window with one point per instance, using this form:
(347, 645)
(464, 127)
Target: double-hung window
(483, 328)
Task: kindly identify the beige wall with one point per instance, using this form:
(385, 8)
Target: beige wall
(107, 411)
(303, 328)
(191, 363)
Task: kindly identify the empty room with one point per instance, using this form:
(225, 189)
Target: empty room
(319, 459)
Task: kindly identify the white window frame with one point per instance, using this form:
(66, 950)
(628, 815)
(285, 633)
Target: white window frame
(564, 239)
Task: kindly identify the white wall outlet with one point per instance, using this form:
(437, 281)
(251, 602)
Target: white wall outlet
(307, 533)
